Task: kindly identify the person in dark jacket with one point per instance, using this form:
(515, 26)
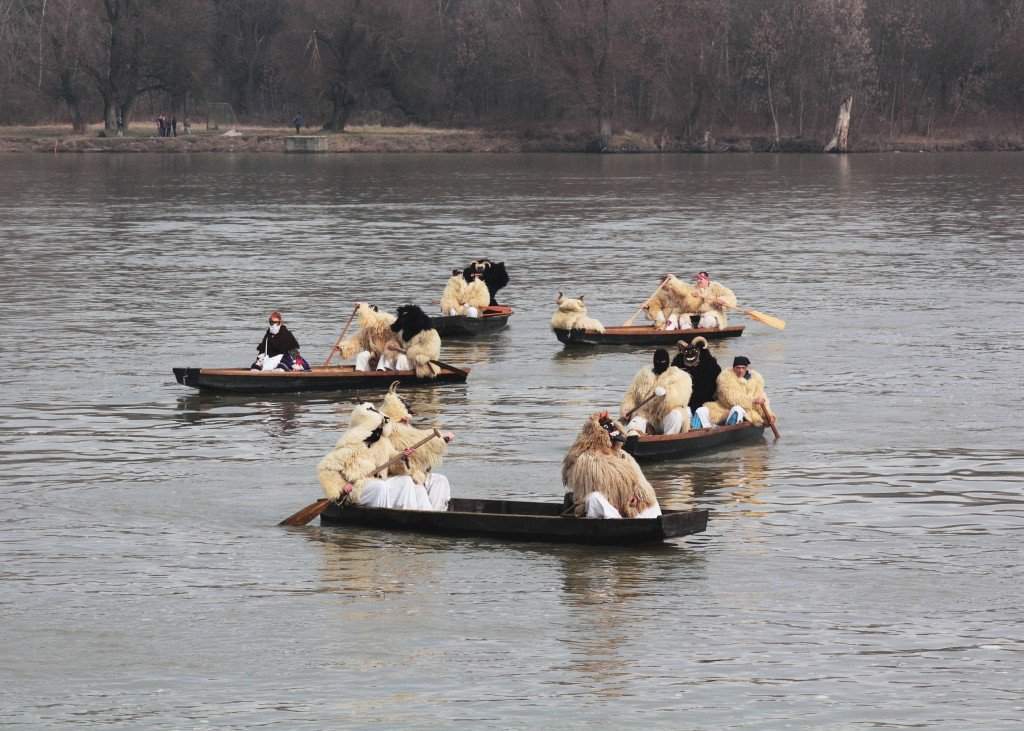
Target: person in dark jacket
(278, 349)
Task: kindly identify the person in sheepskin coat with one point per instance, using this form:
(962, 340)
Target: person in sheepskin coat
(419, 465)
(605, 481)
(493, 273)
(669, 411)
(572, 315)
(696, 359)
(420, 340)
(346, 474)
(672, 305)
(740, 393)
(375, 342)
(475, 297)
(453, 297)
(716, 300)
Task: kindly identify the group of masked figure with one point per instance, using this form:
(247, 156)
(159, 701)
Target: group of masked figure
(472, 290)
(678, 305)
(691, 391)
(383, 461)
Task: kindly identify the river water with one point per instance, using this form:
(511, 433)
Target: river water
(863, 572)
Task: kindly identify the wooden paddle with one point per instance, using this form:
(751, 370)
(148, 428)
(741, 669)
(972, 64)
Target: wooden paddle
(769, 419)
(311, 511)
(647, 301)
(341, 337)
(769, 320)
(654, 394)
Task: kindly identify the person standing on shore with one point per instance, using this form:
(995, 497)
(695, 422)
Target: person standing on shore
(174, 125)
(298, 123)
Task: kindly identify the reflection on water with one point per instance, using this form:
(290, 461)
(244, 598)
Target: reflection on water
(873, 548)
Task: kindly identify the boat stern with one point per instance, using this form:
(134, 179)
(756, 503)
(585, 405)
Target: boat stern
(187, 376)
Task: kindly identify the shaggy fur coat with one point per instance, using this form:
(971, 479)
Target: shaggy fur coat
(709, 294)
(678, 388)
(733, 391)
(675, 297)
(703, 374)
(454, 295)
(419, 338)
(353, 460)
(403, 435)
(594, 463)
(374, 335)
(476, 295)
(572, 315)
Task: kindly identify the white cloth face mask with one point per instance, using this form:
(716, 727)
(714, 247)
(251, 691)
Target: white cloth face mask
(275, 329)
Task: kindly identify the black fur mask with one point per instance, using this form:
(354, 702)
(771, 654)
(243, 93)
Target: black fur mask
(660, 361)
(492, 272)
(411, 322)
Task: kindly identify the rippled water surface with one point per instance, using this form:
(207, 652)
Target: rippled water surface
(863, 572)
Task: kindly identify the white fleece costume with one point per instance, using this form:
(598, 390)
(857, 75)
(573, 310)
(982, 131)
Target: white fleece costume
(668, 414)
(421, 463)
(353, 461)
(374, 340)
(572, 315)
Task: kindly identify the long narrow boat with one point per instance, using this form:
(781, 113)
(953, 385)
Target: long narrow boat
(520, 521)
(655, 447)
(494, 318)
(643, 335)
(331, 378)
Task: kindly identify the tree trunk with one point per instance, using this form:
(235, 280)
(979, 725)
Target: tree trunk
(840, 141)
(771, 107)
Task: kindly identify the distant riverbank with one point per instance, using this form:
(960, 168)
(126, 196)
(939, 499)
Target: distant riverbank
(373, 139)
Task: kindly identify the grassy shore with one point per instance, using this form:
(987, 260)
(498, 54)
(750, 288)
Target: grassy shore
(244, 138)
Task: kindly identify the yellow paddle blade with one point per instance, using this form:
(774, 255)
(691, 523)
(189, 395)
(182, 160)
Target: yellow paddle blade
(768, 320)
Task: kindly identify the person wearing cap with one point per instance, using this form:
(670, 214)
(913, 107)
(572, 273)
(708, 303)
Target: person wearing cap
(668, 411)
(740, 396)
(715, 301)
(278, 349)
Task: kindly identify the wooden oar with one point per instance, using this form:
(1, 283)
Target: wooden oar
(769, 419)
(341, 337)
(647, 301)
(659, 391)
(311, 511)
(769, 320)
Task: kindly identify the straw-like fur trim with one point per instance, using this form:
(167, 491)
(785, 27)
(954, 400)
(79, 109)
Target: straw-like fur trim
(593, 464)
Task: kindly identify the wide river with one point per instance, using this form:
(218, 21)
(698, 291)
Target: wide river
(863, 572)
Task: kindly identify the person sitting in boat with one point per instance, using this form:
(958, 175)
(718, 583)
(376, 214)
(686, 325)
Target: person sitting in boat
(475, 296)
(696, 359)
(672, 305)
(658, 397)
(420, 340)
(605, 481)
(347, 474)
(493, 273)
(715, 301)
(278, 349)
(375, 345)
(453, 297)
(739, 396)
(419, 465)
(572, 315)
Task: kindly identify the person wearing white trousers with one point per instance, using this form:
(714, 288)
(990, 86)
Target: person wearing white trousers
(671, 423)
(397, 363)
(599, 507)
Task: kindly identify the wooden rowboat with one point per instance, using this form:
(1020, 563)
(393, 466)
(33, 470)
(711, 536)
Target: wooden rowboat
(643, 335)
(330, 378)
(494, 318)
(655, 447)
(520, 521)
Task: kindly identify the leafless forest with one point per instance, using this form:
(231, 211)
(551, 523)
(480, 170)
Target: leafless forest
(672, 67)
